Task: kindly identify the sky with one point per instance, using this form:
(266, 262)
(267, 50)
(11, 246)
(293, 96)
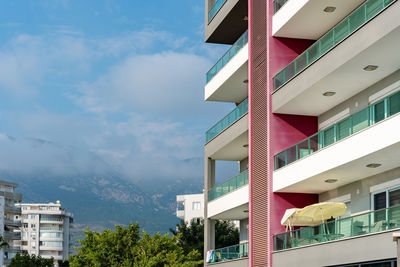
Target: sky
(121, 79)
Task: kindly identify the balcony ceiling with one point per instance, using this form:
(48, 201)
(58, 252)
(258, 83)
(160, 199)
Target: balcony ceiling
(227, 25)
(306, 19)
(238, 213)
(229, 145)
(341, 69)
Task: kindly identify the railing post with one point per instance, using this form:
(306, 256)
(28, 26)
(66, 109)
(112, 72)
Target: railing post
(369, 222)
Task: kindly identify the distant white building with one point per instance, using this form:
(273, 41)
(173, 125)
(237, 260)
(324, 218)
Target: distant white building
(46, 230)
(190, 207)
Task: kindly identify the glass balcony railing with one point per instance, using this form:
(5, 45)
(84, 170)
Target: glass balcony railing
(50, 229)
(232, 252)
(233, 50)
(341, 31)
(366, 223)
(215, 8)
(278, 4)
(44, 219)
(346, 127)
(241, 110)
(229, 186)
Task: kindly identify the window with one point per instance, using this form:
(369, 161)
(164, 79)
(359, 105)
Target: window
(383, 200)
(386, 199)
(196, 206)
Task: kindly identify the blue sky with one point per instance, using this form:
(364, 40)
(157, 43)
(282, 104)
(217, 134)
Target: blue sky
(122, 79)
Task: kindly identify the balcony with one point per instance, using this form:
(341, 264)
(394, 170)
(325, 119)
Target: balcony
(12, 235)
(363, 224)
(215, 8)
(227, 79)
(229, 186)
(51, 229)
(340, 61)
(360, 238)
(343, 151)
(297, 19)
(180, 214)
(17, 197)
(229, 200)
(51, 220)
(12, 223)
(225, 20)
(228, 120)
(234, 252)
(12, 209)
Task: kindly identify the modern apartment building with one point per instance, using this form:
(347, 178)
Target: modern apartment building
(46, 230)
(316, 85)
(9, 221)
(190, 207)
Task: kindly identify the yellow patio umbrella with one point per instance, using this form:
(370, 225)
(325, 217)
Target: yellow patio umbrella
(313, 214)
(320, 212)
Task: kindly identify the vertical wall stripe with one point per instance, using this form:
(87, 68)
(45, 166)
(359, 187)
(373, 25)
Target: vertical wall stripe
(258, 129)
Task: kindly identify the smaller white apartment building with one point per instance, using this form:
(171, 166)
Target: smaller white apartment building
(190, 207)
(46, 230)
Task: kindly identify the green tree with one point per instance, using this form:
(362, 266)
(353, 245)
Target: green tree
(191, 235)
(127, 247)
(25, 260)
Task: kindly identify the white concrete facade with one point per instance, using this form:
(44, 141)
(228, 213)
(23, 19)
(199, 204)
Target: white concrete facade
(190, 207)
(46, 230)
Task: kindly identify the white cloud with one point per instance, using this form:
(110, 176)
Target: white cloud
(161, 83)
(141, 111)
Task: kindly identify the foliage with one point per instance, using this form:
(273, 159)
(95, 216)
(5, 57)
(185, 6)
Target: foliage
(127, 247)
(191, 236)
(63, 263)
(25, 260)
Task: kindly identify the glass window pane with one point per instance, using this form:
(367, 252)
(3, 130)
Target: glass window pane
(394, 198)
(313, 52)
(344, 129)
(279, 79)
(329, 136)
(301, 62)
(379, 111)
(280, 160)
(327, 42)
(341, 31)
(373, 7)
(291, 154)
(357, 18)
(394, 104)
(314, 143)
(303, 149)
(290, 70)
(380, 201)
(360, 120)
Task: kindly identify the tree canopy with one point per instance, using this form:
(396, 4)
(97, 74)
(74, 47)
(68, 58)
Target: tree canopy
(191, 235)
(25, 260)
(127, 247)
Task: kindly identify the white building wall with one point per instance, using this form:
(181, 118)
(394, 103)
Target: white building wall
(193, 206)
(42, 237)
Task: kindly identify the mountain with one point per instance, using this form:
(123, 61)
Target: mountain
(97, 194)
